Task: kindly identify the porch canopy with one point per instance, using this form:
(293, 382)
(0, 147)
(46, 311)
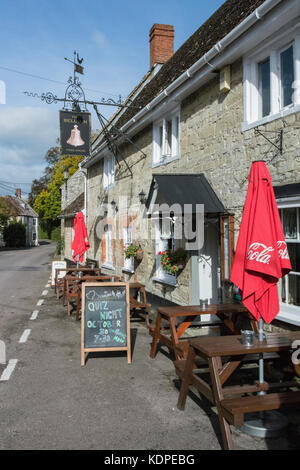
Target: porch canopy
(183, 189)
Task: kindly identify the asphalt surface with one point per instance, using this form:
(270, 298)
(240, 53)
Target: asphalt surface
(50, 401)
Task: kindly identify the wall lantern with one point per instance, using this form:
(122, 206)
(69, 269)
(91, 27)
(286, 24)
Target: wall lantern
(142, 197)
(66, 174)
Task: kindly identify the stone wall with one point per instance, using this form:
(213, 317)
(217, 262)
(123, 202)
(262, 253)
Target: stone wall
(212, 143)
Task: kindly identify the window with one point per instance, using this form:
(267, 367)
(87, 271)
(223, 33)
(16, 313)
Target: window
(264, 86)
(286, 76)
(109, 261)
(269, 80)
(164, 240)
(109, 171)
(127, 238)
(166, 139)
(290, 284)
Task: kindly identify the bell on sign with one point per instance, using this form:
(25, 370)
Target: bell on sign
(75, 137)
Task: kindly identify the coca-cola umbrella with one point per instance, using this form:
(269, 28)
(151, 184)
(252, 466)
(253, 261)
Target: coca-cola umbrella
(261, 256)
(80, 242)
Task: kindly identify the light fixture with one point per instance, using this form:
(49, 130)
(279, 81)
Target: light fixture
(66, 174)
(142, 197)
(114, 205)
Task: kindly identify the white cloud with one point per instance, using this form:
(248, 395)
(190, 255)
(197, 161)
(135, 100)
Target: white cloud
(25, 136)
(99, 38)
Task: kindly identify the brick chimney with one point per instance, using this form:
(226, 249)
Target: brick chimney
(161, 43)
(18, 192)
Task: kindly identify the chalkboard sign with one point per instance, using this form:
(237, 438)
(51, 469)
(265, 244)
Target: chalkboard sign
(57, 265)
(105, 321)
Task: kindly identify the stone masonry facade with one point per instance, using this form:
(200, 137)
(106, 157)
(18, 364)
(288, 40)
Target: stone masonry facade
(212, 143)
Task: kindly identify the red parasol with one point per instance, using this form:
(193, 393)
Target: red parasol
(81, 240)
(261, 257)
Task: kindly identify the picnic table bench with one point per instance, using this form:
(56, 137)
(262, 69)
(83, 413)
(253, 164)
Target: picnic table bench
(59, 283)
(224, 356)
(227, 313)
(72, 289)
(138, 300)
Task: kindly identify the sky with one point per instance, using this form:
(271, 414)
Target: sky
(36, 35)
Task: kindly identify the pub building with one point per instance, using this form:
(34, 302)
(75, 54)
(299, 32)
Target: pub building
(201, 116)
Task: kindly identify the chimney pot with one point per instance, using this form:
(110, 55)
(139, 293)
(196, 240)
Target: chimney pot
(161, 43)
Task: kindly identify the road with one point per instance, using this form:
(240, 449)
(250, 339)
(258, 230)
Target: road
(49, 401)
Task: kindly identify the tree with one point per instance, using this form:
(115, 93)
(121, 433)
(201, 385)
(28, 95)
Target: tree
(14, 234)
(38, 185)
(48, 203)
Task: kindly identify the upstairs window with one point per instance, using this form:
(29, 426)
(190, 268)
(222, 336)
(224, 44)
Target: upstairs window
(270, 80)
(109, 171)
(166, 139)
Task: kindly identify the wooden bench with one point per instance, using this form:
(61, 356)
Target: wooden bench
(234, 409)
(223, 356)
(136, 289)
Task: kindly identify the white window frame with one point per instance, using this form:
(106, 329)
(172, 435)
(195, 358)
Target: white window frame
(161, 244)
(109, 171)
(127, 240)
(160, 156)
(289, 313)
(109, 247)
(252, 102)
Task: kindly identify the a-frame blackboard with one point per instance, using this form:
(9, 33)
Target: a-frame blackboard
(105, 318)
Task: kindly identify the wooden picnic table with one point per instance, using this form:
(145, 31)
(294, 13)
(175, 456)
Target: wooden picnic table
(227, 313)
(59, 281)
(72, 289)
(138, 300)
(224, 355)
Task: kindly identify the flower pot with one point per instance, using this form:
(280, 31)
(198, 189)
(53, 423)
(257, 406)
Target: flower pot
(139, 255)
(181, 263)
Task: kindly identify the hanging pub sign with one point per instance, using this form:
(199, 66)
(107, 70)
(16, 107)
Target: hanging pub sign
(75, 132)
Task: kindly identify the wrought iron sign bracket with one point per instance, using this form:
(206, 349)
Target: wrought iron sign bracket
(75, 100)
(279, 141)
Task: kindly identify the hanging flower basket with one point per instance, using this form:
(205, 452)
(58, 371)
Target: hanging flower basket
(139, 255)
(134, 251)
(173, 261)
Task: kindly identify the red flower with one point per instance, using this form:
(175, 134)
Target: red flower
(168, 259)
(163, 252)
(159, 252)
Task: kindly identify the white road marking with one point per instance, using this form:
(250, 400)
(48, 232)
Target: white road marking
(24, 336)
(45, 292)
(8, 370)
(47, 285)
(40, 302)
(34, 315)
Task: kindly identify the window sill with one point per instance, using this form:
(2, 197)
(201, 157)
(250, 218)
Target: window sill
(108, 266)
(129, 271)
(165, 161)
(246, 126)
(164, 281)
(289, 314)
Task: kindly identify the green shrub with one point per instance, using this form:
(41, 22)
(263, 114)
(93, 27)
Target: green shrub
(60, 244)
(14, 234)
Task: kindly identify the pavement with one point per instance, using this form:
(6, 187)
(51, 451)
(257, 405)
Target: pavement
(49, 401)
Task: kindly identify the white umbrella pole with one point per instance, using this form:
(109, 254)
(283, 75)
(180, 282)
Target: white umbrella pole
(77, 261)
(261, 356)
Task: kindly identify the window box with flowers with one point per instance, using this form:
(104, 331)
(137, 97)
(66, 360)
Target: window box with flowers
(134, 251)
(173, 261)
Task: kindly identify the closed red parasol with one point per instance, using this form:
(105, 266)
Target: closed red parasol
(81, 240)
(261, 257)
